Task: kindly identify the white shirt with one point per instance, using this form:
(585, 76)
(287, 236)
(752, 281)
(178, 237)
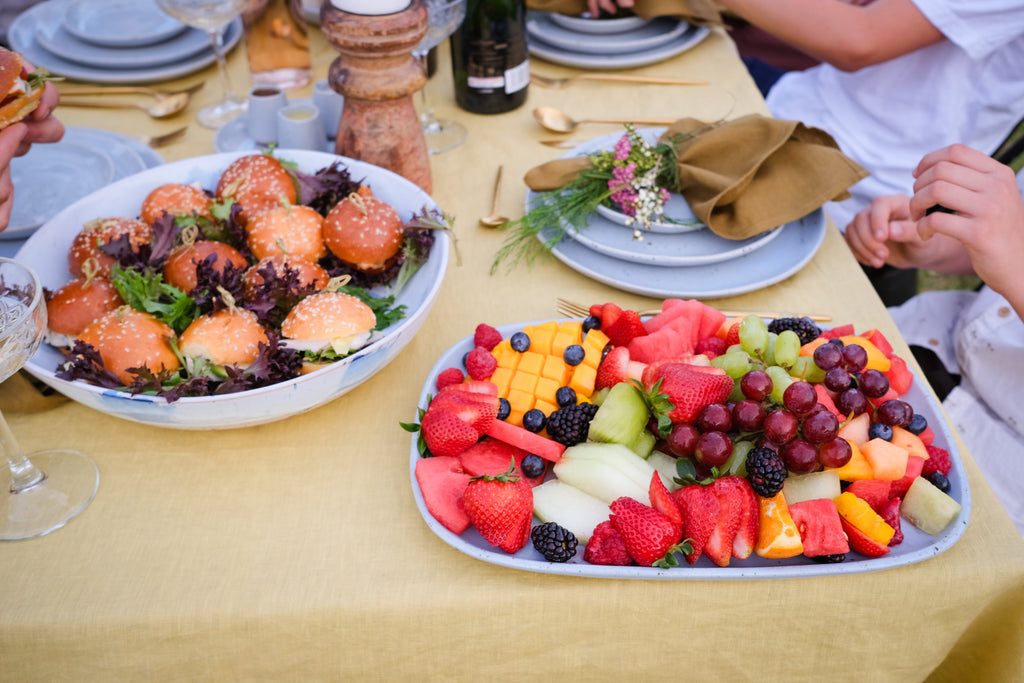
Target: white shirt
(968, 89)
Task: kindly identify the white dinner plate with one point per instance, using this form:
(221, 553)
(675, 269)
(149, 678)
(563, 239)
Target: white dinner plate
(917, 546)
(119, 23)
(582, 60)
(52, 36)
(647, 37)
(233, 136)
(22, 37)
(37, 197)
(782, 257)
(584, 23)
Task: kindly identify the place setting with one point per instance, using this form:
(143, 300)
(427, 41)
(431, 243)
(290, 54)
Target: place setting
(114, 41)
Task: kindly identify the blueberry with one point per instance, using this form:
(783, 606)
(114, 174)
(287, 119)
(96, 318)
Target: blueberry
(534, 420)
(880, 430)
(918, 423)
(504, 408)
(464, 357)
(837, 341)
(591, 322)
(565, 396)
(939, 480)
(532, 466)
(573, 354)
(520, 342)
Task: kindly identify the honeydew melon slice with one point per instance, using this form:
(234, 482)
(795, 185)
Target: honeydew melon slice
(801, 487)
(928, 508)
(572, 508)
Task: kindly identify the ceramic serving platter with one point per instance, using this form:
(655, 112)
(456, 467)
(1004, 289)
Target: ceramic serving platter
(119, 23)
(917, 546)
(650, 35)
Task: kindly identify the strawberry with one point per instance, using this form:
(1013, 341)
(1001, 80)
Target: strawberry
(613, 369)
(690, 388)
(712, 347)
(649, 535)
(607, 546)
(731, 504)
(501, 509)
(448, 377)
(699, 508)
(890, 512)
(749, 519)
(486, 336)
(478, 387)
(733, 335)
(480, 363)
(627, 326)
(476, 410)
(609, 314)
(445, 432)
(596, 310)
(663, 502)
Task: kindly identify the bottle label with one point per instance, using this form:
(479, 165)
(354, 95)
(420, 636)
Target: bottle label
(517, 77)
(497, 66)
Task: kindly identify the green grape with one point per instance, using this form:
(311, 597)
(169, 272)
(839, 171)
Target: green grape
(754, 336)
(735, 348)
(780, 380)
(787, 348)
(769, 353)
(737, 393)
(735, 364)
(737, 462)
(806, 369)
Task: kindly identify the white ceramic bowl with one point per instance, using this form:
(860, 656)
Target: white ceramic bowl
(46, 252)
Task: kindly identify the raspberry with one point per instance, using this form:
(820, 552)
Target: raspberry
(486, 336)
(712, 347)
(938, 461)
(480, 364)
(606, 546)
(449, 377)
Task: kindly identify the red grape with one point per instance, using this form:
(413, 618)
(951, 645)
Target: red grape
(835, 453)
(748, 415)
(820, 426)
(713, 449)
(854, 357)
(780, 426)
(756, 385)
(851, 401)
(827, 356)
(682, 440)
(895, 413)
(837, 379)
(800, 397)
(715, 418)
(800, 456)
(873, 383)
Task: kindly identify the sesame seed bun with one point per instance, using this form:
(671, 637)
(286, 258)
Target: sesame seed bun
(74, 306)
(309, 273)
(364, 232)
(328, 316)
(102, 231)
(258, 182)
(176, 199)
(14, 108)
(227, 337)
(180, 267)
(287, 229)
(126, 338)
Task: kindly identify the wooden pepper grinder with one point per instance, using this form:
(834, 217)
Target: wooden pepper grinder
(377, 75)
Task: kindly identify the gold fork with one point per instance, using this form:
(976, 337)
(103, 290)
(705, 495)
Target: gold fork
(559, 83)
(163, 139)
(133, 89)
(577, 310)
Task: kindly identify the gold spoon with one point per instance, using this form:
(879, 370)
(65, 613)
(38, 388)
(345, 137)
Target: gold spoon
(558, 121)
(158, 110)
(559, 83)
(129, 90)
(494, 220)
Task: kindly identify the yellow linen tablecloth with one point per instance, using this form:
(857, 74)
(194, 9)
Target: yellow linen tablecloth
(295, 551)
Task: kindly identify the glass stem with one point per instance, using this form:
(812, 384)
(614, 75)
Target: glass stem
(428, 121)
(24, 475)
(217, 41)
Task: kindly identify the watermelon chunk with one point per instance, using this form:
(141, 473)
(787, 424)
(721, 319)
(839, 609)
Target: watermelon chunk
(836, 332)
(821, 530)
(526, 440)
(667, 342)
(493, 457)
(443, 482)
(899, 374)
(874, 492)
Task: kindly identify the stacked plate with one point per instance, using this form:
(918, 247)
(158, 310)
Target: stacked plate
(53, 176)
(113, 41)
(620, 43)
(679, 256)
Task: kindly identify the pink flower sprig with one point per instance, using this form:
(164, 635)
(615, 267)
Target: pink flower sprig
(634, 166)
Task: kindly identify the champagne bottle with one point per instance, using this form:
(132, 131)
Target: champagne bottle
(490, 61)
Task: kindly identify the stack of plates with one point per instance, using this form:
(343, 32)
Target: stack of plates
(679, 256)
(113, 41)
(53, 176)
(621, 43)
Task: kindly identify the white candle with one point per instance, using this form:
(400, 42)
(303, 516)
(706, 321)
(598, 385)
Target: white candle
(371, 7)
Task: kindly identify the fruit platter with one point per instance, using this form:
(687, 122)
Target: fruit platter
(684, 445)
(234, 289)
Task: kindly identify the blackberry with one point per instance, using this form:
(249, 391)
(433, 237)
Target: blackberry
(554, 542)
(565, 396)
(573, 354)
(504, 409)
(533, 466)
(804, 328)
(766, 471)
(520, 341)
(534, 420)
(829, 559)
(571, 425)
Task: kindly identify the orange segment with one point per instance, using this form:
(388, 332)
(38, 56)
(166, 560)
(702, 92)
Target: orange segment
(857, 512)
(777, 535)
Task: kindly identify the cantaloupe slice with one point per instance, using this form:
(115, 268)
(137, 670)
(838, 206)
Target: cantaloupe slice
(856, 430)
(888, 461)
(857, 468)
(857, 512)
(912, 442)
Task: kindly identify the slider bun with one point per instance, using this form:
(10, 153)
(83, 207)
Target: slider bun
(102, 231)
(180, 267)
(309, 273)
(19, 108)
(257, 182)
(74, 306)
(289, 229)
(328, 316)
(176, 199)
(126, 338)
(231, 336)
(364, 232)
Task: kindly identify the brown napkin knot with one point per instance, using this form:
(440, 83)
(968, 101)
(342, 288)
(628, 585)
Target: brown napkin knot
(744, 176)
(700, 12)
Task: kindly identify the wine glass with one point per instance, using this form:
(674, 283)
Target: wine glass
(50, 487)
(212, 16)
(443, 17)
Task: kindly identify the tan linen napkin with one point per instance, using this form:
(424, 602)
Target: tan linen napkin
(701, 12)
(741, 177)
(19, 394)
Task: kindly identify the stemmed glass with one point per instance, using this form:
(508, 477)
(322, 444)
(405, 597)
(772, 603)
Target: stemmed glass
(49, 488)
(443, 17)
(212, 16)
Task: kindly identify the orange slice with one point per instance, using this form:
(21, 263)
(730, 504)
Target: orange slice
(777, 535)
